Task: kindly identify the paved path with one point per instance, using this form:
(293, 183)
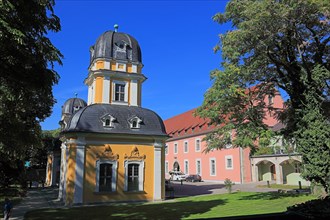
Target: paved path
(204, 188)
(38, 198)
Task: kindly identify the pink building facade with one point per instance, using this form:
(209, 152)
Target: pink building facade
(184, 149)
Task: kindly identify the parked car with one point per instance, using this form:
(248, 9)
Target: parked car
(194, 178)
(177, 175)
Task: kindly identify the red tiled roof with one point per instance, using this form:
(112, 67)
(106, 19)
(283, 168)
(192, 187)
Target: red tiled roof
(186, 123)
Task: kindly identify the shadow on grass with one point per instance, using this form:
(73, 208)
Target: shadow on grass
(187, 189)
(168, 211)
(270, 196)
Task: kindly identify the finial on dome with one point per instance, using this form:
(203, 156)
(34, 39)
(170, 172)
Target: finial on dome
(116, 26)
(76, 94)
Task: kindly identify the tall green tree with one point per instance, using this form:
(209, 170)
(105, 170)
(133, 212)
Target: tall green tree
(27, 73)
(272, 44)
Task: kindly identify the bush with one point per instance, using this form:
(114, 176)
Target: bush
(228, 185)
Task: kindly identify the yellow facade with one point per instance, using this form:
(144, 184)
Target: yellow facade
(92, 155)
(71, 174)
(99, 65)
(98, 89)
(90, 196)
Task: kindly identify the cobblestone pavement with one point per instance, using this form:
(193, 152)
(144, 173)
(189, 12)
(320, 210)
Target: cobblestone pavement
(37, 198)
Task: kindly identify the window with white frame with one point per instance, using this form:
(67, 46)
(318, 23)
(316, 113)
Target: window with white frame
(229, 162)
(229, 140)
(197, 145)
(134, 174)
(166, 166)
(166, 149)
(186, 147)
(212, 167)
(198, 167)
(106, 175)
(175, 148)
(119, 91)
(108, 121)
(135, 122)
(297, 167)
(270, 99)
(186, 166)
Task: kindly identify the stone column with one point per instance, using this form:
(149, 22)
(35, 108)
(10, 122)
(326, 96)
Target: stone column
(278, 172)
(61, 191)
(158, 172)
(80, 170)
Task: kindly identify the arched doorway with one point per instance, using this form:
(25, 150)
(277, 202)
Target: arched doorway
(291, 170)
(176, 166)
(266, 171)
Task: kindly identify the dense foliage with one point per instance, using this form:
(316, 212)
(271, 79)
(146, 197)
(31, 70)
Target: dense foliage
(283, 45)
(27, 75)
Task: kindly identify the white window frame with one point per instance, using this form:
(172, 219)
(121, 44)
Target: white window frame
(200, 166)
(135, 119)
(215, 167)
(124, 83)
(166, 166)
(175, 146)
(166, 149)
(110, 118)
(200, 144)
(185, 146)
(141, 174)
(114, 164)
(229, 157)
(231, 141)
(186, 166)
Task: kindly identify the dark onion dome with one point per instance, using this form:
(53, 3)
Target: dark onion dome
(92, 119)
(116, 46)
(73, 105)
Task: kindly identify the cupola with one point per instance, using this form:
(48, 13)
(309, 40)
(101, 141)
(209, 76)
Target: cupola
(115, 70)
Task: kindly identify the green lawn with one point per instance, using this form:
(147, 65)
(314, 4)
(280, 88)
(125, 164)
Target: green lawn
(282, 186)
(207, 206)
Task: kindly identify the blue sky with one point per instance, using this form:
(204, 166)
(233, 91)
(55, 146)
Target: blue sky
(176, 39)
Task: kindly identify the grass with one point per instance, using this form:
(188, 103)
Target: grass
(207, 206)
(283, 186)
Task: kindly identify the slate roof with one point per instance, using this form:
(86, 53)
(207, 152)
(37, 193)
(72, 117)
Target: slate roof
(105, 47)
(89, 119)
(72, 105)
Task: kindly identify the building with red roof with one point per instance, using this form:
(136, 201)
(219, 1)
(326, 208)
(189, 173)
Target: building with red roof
(184, 152)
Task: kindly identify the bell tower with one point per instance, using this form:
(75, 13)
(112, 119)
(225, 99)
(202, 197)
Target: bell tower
(115, 71)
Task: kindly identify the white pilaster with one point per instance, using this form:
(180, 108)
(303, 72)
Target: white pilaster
(278, 169)
(53, 173)
(80, 165)
(158, 170)
(61, 191)
(134, 93)
(106, 90)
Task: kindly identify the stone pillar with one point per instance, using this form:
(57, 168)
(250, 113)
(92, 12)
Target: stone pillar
(278, 171)
(62, 188)
(158, 170)
(80, 170)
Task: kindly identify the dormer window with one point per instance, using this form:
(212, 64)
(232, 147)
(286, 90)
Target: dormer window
(135, 122)
(270, 99)
(108, 121)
